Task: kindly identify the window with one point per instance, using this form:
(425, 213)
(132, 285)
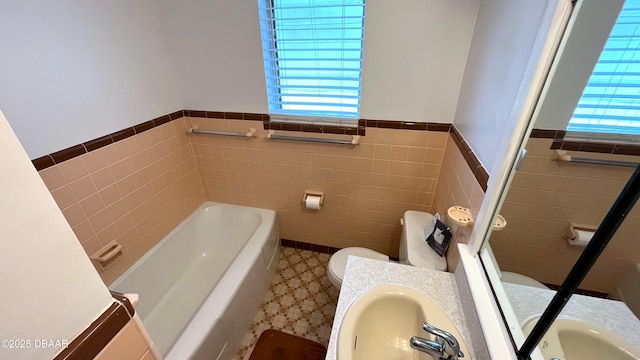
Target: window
(313, 59)
(610, 102)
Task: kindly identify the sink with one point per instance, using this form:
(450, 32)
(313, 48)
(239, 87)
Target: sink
(380, 323)
(569, 339)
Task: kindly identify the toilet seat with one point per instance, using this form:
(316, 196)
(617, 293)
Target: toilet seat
(515, 278)
(338, 262)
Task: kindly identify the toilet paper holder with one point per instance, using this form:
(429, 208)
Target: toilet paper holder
(574, 227)
(308, 193)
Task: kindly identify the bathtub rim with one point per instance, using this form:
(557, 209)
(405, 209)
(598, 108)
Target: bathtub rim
(182, 224)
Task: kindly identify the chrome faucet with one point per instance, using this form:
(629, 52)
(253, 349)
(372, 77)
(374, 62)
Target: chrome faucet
(445, 346)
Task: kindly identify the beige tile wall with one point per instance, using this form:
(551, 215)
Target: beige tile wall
(368, 187)
(137, 190)
(544, 198)
(457, 186)
(134, 191)
(131, 343)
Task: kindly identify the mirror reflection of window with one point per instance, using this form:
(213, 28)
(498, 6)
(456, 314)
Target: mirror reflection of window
(610, 103)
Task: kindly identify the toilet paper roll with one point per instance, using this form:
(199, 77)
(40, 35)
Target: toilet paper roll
(582, 238)
(312, 202)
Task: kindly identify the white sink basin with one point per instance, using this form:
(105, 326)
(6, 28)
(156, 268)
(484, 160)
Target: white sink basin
(380, 323)
(569, 339)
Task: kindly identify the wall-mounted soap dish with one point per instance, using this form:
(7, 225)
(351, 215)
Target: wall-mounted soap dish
(108, 255)
(500, 224)
(462, 216)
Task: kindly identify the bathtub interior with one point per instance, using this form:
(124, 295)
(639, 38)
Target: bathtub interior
(175, 277)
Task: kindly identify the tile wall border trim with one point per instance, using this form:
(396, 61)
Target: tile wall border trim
(326, 129)
(124, 301)
(361, 129)
(71, 152)
(478, 170)
(301, 245)
(480, 173)
(585, 292)
(584, 146)
(95, 337)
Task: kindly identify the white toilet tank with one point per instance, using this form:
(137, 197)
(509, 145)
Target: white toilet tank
(414, 249)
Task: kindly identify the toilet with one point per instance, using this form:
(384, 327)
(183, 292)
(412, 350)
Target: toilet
(628, 290)
(515, 278)
(511, 277)
(414, 250)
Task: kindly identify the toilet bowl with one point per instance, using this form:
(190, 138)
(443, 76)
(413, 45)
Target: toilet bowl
(515, 278)
(511, 277)
(414, 249)
(338, 262)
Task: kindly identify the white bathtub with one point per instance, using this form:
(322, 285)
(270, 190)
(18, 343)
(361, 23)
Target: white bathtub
(201, 286)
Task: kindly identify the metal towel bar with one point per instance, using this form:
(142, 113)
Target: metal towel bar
(355, 139)
(250, 133)
(561, 155)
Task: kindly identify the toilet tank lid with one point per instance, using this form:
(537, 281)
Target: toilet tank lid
(419, 253)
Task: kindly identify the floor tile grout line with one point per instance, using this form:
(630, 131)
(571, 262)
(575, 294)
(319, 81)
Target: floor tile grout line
(300, 300)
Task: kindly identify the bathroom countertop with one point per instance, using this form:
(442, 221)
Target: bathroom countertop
(363, 274)
(611, 315)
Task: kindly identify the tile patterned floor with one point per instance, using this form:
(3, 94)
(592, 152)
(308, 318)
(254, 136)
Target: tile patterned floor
(300, 301)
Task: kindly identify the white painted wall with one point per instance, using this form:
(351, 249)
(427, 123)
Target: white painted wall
(587, 34)
(216, 52)
(503, 39)
(414, 57)
(50, 290)
(74, 70)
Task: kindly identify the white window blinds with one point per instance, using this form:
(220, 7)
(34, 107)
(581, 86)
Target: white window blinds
(312, 58)
(610, 102)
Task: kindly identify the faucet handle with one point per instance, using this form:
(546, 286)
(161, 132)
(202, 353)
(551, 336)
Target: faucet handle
(446, 336)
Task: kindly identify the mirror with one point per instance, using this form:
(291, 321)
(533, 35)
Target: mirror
(547, 197)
